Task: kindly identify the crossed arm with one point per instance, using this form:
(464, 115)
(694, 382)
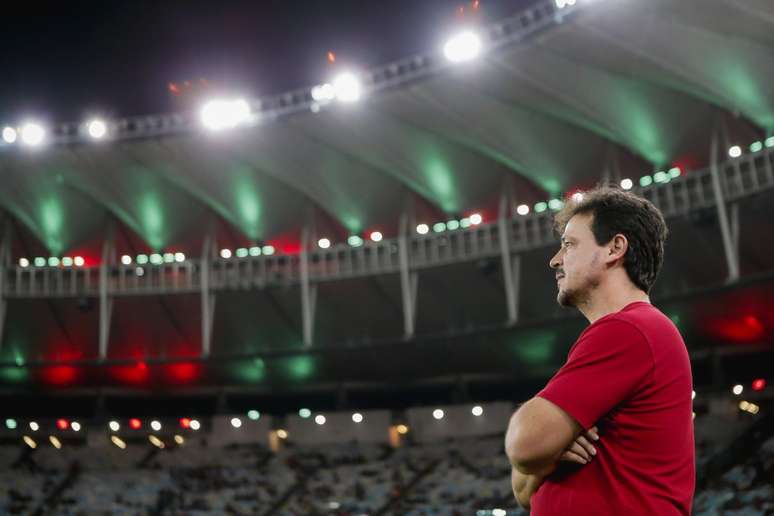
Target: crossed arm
(538, 435)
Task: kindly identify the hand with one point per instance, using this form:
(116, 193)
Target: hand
(581, 451)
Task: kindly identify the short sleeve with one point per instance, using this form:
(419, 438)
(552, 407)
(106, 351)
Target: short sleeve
(609, 363)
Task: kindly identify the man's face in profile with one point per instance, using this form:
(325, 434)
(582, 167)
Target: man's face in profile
(578, 263)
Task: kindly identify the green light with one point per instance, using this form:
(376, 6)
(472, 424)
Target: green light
(756, 147)
(299, 368)
(67, 261)
(152, 219)
(770, 141)
(305, 413)
(268, 250)
(255, 251)
(355, 241)
(13, 374)
(253, 414)
(242, 252)
(39, 261)
(10, 423)
(142, 259)
(660, 177)
(452, 225)
(52, 221)
(19, 360)
(53, 261)
(555, 204)
(169, 257)
(438, 227)
(156, 259)
(465, 223)
(541, 207)
(674, 172)
(646, 181)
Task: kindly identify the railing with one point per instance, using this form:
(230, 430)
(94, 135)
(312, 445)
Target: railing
(741, 177)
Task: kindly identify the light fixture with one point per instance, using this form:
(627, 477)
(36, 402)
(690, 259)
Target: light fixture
(476, 219)
(462, 47)
(9, 135)
(126, 259)
(323, 243)
(438, 414)
(236, 422)
(220, 114)
(347, 87)
(32, 134)
(376, 236)
(522, 209)
(97, 129)
(319, 419)
(423, 229)
(627, 184)
(735, 151)
(357, 417)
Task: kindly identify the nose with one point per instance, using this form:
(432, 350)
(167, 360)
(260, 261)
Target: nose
(556, 260)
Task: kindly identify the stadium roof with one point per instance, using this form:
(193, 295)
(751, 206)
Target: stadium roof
(616, 89)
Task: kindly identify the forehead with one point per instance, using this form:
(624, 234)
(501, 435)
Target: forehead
(578, 227)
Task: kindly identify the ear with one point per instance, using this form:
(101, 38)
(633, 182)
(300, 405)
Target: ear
(616, 248)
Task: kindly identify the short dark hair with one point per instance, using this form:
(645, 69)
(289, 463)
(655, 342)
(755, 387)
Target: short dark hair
(617, 211)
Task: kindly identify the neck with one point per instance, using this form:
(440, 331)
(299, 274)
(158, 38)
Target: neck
(610, 298)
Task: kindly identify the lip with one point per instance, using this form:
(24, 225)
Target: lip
(559, 277)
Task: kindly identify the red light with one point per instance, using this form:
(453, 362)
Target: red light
(135, 423)
(185, 422)
(758, 384)
(331, 57)
(62, 424)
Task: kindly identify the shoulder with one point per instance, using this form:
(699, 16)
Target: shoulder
(614, 334)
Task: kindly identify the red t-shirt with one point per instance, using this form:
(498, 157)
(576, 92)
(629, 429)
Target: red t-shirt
(629, 373)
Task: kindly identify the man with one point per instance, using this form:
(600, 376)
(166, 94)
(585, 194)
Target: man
(612, 432)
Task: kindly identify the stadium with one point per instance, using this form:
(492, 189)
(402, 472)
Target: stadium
(331, 300)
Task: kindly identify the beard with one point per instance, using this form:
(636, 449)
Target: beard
(575, 297)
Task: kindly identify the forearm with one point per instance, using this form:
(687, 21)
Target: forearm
(524, 486)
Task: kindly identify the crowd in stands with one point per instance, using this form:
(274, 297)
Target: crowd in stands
(455, 477)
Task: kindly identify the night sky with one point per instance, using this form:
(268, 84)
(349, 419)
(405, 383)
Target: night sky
(63, 61)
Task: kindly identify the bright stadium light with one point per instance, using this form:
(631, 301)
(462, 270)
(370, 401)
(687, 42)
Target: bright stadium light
(118, 441)
(220, 114)
(355, 241)
(56, 443)
(268, 250)
(155, 425)
(735, 151)
(195, 425)
(29, 441)
(79, 261)
(627, 184)
(225, 253)
(10, 424)
(34, 426)
(462, 47)
(376, 236)
(304, 413)
(423, 229)
(76, 426)
(179, 257)
(126, 259)
(253, 414)
(577, 196)
(97, 129)
(319, 419)
(522, 209)
(236, 422)
(561, 4)
(347, 87)
(32, 134)
(114, 426)
(24, 262)
(323, 243)
(477, 410)
(9, 135)
(438, 414)
(323, 92)
(738, 389)
(357, 417)
(476, 219)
